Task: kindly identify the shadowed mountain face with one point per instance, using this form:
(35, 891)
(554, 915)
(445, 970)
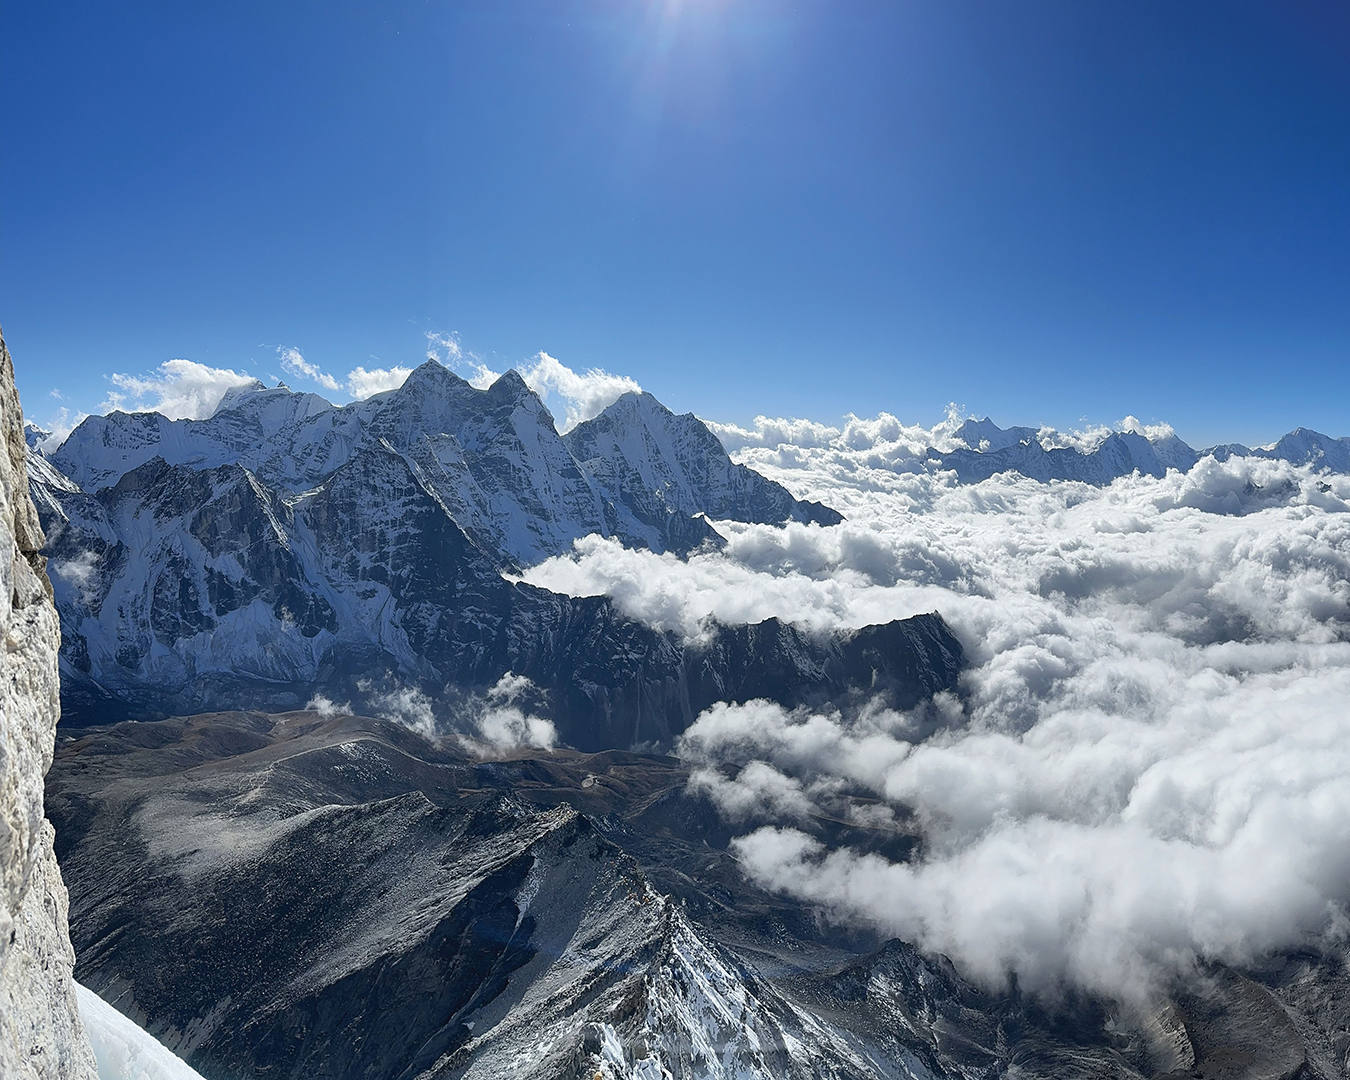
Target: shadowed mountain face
(305, 896)
(285, 547)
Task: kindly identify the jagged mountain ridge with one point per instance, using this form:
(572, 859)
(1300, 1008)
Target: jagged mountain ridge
(493, 457)
(204, 589)
(284, 547)
(670, 474)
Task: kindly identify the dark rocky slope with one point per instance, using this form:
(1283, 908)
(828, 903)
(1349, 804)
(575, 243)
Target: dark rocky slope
(306, 896)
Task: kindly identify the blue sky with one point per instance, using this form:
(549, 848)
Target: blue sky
(1044, 211)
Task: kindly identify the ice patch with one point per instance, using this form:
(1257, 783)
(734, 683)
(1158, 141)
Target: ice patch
(123, 1049)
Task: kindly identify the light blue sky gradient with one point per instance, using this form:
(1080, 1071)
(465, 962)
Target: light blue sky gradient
(1044, 211)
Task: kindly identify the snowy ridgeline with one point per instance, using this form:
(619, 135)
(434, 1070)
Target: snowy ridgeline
(123, 1049)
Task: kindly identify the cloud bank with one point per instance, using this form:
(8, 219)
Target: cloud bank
(1146, 766)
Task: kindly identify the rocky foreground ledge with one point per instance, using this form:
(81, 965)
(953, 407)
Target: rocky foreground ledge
(41, 1034)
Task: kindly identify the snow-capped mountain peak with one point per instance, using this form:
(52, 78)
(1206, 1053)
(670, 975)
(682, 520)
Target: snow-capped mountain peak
(985, 436)
(284, 536)
(232, 397)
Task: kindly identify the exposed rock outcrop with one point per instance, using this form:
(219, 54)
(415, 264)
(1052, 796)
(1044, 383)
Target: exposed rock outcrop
(41, 1034)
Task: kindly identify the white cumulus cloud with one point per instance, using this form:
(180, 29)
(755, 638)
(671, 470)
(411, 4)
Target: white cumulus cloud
(583, 394)
(486, 725)
(179, 389)
(502, 723)
(363, 383)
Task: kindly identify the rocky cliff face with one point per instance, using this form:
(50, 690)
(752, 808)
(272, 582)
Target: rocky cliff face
(40, 1030)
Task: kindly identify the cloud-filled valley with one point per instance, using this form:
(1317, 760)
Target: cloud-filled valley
(1145, 768)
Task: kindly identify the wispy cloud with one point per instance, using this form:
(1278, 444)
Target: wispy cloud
(581, 394)
(59, 426)
(296, 364)
(446, 349)
(360, 383)
(488, 725)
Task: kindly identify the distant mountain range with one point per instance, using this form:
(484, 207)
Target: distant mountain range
(989, 449)
(285, 546)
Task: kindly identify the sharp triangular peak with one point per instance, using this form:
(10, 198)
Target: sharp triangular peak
(235, 395)
(987, 435)
(510, 384)
(433, 371)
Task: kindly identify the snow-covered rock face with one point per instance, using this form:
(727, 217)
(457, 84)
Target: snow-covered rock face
(991, 449)
(284, 544)
(124, 1050)
(660, 471)
(1302, 446)
(183, 589)
(986, 436)
(493, 456)
(40, 1031)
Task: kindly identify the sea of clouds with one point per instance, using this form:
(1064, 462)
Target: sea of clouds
(1146, 765)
